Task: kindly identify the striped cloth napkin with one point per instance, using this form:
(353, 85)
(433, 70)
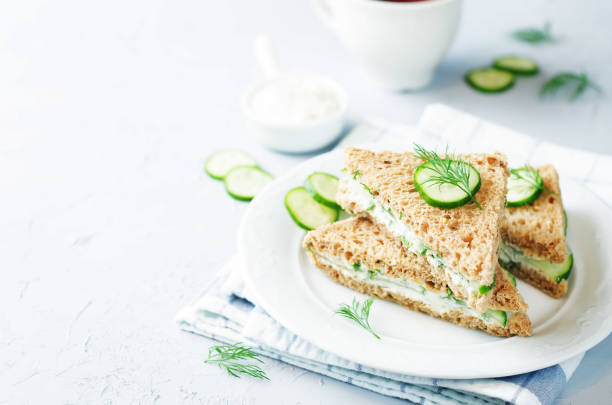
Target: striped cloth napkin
(227, 313)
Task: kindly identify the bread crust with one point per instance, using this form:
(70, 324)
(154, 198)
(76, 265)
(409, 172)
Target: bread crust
(468, 238)
(519, 324)
(505, 295)
(538, 229)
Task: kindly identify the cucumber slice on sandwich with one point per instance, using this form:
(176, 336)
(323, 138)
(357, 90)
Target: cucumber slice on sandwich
(220, 163)
(244, 182)
(490, 80)
(323, 188)
(517, 65)
(511, 277)
(512, 258)
(557, 271)
(499, 315)
(496, 314)
(444, 195)
(524, 187)
(306, 211)
(483, 289)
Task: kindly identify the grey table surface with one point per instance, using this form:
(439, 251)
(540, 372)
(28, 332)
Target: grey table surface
(108, 224)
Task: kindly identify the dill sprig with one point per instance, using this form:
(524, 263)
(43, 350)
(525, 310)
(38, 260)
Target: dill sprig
(358, 312)
(568, 80)
(534, 35)
(232, 357)
(448, 170)
(534, 180)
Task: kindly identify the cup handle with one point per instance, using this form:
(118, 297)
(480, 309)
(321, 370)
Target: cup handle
(323, 11)
(266, 56)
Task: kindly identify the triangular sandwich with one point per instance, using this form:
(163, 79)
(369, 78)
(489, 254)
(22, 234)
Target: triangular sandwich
(364, 257)
(463, 242)
(534, 247)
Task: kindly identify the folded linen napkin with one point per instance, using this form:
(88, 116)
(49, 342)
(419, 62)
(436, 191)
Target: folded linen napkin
(226, 312)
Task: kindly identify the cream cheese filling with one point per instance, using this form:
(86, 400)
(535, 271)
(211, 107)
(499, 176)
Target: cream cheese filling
(438, 302)
(510, 253)
(362, 197)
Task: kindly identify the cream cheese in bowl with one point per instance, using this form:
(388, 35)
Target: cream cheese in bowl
(296, 112)
(295, 100)
(293, 112)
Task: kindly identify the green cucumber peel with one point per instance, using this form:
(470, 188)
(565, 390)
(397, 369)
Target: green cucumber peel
(483, 289)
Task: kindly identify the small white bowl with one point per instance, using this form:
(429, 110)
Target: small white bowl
(297, 138)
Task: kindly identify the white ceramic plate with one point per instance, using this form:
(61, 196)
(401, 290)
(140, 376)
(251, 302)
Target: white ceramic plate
(302, 299)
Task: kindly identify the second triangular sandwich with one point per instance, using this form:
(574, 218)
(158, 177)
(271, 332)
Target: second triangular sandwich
(462, 241)
(365, 257)
(534, 247)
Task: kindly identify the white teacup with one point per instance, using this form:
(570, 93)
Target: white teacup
(399, 44)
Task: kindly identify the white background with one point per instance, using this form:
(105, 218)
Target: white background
(107, 223)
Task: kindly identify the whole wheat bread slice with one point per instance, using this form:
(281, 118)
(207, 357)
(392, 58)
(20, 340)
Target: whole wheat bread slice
(467, 237)
(358, 240)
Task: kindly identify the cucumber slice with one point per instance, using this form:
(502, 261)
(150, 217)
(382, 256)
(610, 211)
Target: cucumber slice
(244, 182)
(306, 211)
(499, 315)
(451, 296)
(517, 65)
(524, 187)
(323, 188)
(220, 163)
(489, 80)
(511, 277)
(443, 195)
(483, 289)
(556, 271)
(565, 224)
